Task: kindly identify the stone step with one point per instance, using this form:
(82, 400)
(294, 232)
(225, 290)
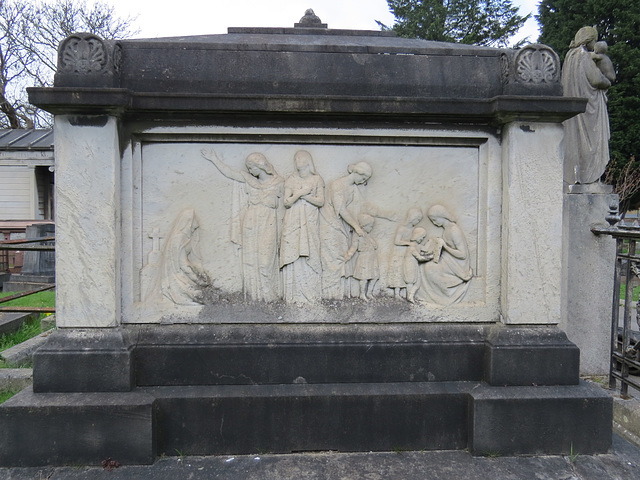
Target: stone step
(15, 378)
(22, 352)
(11, 322)
(382, 417)
(20, 286)
(132, 427)
(76, 429)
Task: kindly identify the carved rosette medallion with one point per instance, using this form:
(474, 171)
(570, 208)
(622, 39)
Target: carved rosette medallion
(537, 64)
(84, 54)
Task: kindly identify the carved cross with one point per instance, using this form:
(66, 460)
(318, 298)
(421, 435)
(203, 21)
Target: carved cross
(155, 239)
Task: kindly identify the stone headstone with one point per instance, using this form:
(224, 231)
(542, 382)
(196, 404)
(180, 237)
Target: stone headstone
(38, 268)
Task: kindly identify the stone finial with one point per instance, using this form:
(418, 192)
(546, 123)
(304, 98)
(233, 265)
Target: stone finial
(310, 20)
(613, 216)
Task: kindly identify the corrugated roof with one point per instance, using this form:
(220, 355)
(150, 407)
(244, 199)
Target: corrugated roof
(32, 139)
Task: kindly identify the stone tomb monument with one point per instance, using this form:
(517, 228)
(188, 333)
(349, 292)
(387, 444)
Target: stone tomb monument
(291, 239)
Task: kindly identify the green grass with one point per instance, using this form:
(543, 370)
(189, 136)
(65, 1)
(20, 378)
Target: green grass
(6, 395)
(30, 328)
(623, 293)
(40, 299)
(27, 330)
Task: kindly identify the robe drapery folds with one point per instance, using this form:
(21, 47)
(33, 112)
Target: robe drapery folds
(587, 134)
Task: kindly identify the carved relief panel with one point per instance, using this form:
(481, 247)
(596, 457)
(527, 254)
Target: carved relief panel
(307, 224)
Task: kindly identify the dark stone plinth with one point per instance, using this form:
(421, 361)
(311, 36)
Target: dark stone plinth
(76, 429)
(289, 418)
(530, 356)
(218, 354)
(251, 388)
(267, 354)
(92, 360)
(540, 420)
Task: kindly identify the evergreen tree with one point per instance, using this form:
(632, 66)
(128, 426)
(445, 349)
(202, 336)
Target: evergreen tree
(479, 22)
(618, 23)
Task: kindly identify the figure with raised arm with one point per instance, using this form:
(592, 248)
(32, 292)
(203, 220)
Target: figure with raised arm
(258, 224)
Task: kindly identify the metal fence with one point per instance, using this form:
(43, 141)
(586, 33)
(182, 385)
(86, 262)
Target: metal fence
(10, 245)
(625, 312)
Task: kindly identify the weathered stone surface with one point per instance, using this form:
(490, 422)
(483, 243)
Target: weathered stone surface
(92, 360)
(18, 354)
(589, 263)
(10, 322)
(15, 378)
(620, 463)
(288, 418)
(532, 223)
(63, 429)
(88, 240)
(539, 420)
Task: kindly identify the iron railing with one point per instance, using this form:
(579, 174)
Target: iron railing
(7, 245)
(625, 335)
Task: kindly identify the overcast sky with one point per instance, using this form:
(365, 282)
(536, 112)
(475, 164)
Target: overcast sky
(196, 17)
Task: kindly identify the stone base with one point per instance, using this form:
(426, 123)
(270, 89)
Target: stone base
(22, 283)
(76, 429)
(96, 360)
(225, 389)
(10, 322)
(588, 271)
(540, 420)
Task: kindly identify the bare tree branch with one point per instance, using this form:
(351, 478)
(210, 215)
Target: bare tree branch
(30, 33)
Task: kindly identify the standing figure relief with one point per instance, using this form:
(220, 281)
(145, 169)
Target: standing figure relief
(366, 269)
(401, 240)
(300, 241)
(338, 221)
(259, 219)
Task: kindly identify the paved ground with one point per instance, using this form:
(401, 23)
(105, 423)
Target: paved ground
(622, 463)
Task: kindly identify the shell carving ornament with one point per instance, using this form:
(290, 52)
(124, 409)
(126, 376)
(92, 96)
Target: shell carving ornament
(537, 64)
(83, 54)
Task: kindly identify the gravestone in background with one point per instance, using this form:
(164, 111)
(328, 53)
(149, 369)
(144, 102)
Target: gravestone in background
(38, 267)
(290, 239)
